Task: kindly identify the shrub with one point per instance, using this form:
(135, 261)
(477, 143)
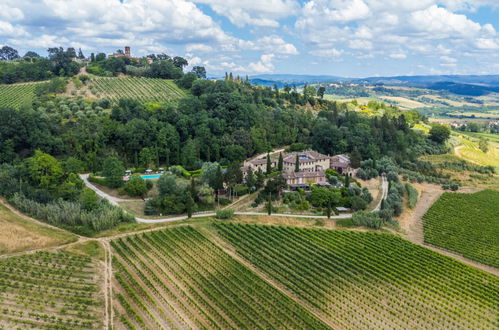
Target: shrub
(367, 219)
(412, 195)
(224, 214)
(224, 201)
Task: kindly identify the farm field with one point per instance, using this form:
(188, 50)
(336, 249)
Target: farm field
(470, 151)
(142, 89)
(163, 281)
(471, 228)
(20, 234)
(369, 280)
(49, 290)
(16, 95)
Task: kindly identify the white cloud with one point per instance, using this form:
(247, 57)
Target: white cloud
(272, 44)
(264, 65)
(360, 44)
(448, 59)
(264, 13)
(9, 30)
(328, 53)
(201, 48)
(398, 56)
(483, 43)
(10, 13)
(438, 20)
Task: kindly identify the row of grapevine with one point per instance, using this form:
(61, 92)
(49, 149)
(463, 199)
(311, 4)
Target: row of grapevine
(142, 89)
(164, 282)
(16, 95)
(49, 290)
(369, 280)
(467, 224)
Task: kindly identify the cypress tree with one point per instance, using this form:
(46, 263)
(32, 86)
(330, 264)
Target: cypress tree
(280, 164)
(219, 179)
(269, 164)
(297, 164)
(347, 180)
(269, 204)
(355, 158)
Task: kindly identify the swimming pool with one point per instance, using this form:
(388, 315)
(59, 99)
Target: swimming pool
(150, 176)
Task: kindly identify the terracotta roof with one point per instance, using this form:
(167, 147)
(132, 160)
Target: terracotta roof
(304, 175)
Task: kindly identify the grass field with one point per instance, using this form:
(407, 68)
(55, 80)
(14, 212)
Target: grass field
(19, 234)
(16, 95)
(369, 280)
(163, 279)
(471, 152)
(91, 249)
(142, 89)
(467, 224)
(48, 290)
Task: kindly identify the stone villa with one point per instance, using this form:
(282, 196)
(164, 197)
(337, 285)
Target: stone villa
(312, 166)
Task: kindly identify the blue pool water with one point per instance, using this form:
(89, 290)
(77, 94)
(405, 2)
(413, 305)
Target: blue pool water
(150, 176)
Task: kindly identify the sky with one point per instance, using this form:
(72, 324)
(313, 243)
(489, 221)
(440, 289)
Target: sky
(349, 38)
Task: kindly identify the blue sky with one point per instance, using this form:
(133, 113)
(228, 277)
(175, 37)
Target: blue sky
(350, 38)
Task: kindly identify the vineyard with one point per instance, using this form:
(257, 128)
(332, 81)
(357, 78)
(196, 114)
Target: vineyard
(142, 89)
(467, 224)
(16, 95)
(48, 290)
(360, 280)
(177, 278)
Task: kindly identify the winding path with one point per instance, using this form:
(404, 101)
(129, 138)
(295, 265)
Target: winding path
(115, 201)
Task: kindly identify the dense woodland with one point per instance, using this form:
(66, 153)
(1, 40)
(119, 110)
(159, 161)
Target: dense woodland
(224, 122)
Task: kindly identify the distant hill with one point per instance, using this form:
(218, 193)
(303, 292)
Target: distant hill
(426, 80)
(458, 84)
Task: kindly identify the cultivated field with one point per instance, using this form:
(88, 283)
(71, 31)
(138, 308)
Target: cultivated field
(470, 151)
(467, 224)
(48, 290)
(357, 280)
(179, 278)
(142, 89)
(19, 234)
(16, 95)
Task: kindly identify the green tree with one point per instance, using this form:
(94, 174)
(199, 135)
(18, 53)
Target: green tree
(439, 133)
(167, 184)
(280, 163)
(71, 187)
(113, 170)
(483, 145)
(8, 53)
(200, 71)
(44, 170)
(321, 91)
(147, 157)
(136, 186)
(269, 164)
(89, 199)
(269, 204)
(297, 163)
(355, 158)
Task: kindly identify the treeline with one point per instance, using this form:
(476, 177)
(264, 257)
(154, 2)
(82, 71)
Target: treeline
(223, 121)
(33, 67)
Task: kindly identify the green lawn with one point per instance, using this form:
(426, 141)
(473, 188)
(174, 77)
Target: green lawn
(467, 224)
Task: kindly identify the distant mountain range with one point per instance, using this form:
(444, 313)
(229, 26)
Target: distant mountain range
(458, 84)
